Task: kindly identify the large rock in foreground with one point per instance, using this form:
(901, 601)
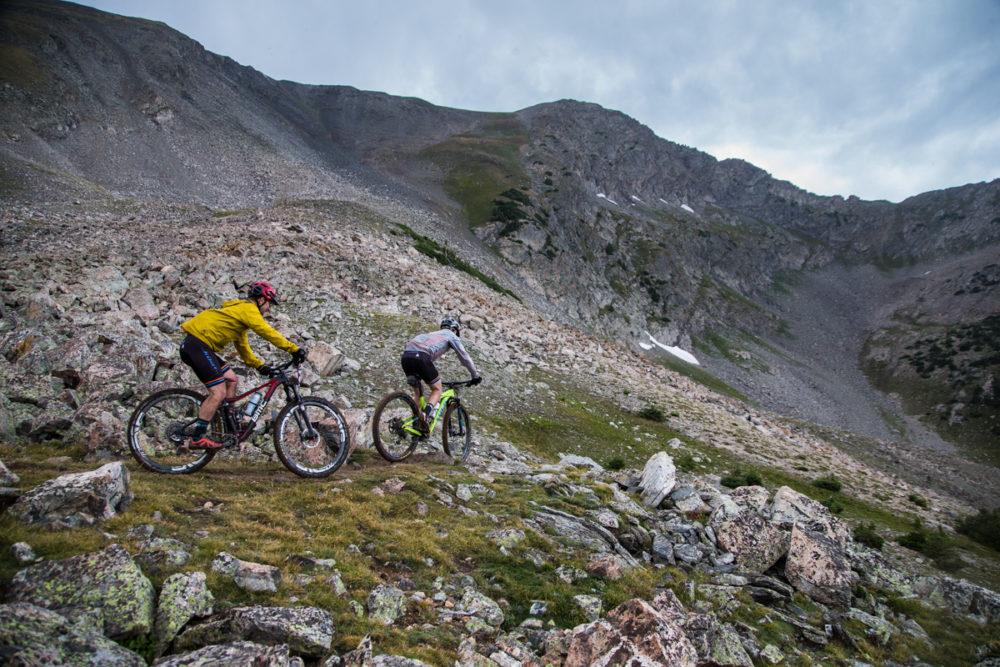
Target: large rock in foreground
(76, 499)
(31, 635)
(108, 582)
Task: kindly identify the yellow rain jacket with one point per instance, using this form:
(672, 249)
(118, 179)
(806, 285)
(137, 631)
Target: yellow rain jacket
(218, 327)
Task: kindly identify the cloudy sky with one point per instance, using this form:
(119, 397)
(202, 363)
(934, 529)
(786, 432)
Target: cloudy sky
(882, 99)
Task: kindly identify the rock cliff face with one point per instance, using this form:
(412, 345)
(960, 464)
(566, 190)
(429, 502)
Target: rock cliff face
(584, 213)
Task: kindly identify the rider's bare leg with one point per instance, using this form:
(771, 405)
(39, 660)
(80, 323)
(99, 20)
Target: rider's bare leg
(215, 395)
(435, 396)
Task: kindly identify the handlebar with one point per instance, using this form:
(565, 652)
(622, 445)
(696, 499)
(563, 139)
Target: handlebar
(280, 368)
(462, 383)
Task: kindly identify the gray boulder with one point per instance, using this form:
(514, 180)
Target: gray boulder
(184, 596)
(960, 596)
(386, 603)
(7, 478)
(636, 633)
(476, 604)
(755, 543)
(235, 654)
(247, 575)
(818, 567)
(326, 359)
(659, 476)
(107, 581)
(76, 499)
(161, 554)
(753, 498)
(716, 643)
(32, 635)
(307, 631)
(790, 507)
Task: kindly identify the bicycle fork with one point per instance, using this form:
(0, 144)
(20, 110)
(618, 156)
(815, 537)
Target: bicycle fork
(306, 429)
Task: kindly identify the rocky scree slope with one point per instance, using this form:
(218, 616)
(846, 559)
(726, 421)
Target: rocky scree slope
(93, 293)
(657, 237)
(93, 299)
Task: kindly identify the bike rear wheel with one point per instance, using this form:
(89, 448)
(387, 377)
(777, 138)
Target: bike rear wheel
(456, 434)
(159, 432)
(396, 427)
(311, 437)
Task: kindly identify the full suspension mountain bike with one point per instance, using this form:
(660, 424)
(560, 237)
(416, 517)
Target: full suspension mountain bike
(398, 425)
(310, 434)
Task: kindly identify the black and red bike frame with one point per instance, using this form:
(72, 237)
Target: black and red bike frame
(230, 412)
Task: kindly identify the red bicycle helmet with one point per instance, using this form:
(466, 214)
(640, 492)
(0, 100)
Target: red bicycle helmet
(262, 289)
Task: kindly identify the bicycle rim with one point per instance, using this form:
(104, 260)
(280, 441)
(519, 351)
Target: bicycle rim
(396, 427)
(311, 437)
(159, 433)
(456, 434)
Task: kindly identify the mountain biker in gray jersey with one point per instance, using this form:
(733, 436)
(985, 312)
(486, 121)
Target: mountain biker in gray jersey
(420, 354)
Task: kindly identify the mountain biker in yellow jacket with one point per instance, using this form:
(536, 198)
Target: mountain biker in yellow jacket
(211, 331)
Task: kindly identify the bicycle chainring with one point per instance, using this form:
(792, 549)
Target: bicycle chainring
(175, 432)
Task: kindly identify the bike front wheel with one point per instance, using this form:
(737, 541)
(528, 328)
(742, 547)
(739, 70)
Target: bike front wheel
(159, 432)
(396, 427)
(311, 437)
(456, 434)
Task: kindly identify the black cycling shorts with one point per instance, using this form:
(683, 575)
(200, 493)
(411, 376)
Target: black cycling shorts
(205, 363)
(420, 364)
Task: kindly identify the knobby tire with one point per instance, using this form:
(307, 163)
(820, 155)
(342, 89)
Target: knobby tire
(159, 432)
(311, 437)
(393, 415)
(456, 432)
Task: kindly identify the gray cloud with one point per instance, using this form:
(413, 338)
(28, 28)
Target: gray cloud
(878, 99)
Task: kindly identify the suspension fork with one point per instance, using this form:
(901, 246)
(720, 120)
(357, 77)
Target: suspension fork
(301, 417)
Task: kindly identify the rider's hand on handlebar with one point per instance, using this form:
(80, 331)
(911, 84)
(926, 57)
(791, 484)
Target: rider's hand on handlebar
(476, 380)
(265, 370)
(298, 356)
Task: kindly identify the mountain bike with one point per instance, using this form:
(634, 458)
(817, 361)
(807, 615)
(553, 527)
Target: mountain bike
(399, 425)
(310, 434)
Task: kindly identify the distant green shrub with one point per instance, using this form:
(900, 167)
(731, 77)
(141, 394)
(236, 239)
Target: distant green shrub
(935, 545)
(918, 500)
(444, 256)
(506, 211)
(983, 527)
(739, 477)
(652, 413)
(866, 534)
(834, 505)
(615, 463)
(915, 539)
(828, 482)
(516, 195)
(505, 207)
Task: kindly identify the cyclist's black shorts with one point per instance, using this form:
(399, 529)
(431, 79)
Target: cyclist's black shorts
(206, 364)
(420, 364)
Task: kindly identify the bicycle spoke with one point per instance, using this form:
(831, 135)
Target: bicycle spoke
(397, 428)
(456, 434)
(159, 433)
(311, 437)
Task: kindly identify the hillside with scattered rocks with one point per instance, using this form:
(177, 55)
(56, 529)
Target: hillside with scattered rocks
(94, 294)
(715, 257)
